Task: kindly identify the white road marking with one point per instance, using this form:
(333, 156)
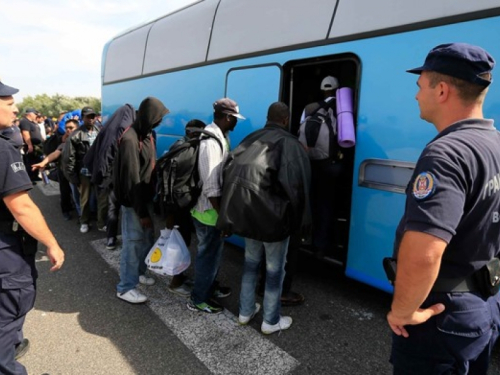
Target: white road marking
(218, 341)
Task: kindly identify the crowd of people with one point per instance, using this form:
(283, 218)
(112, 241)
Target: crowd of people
(445, 312)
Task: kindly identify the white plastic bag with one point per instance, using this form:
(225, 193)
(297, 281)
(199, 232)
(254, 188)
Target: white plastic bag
(169, 256)
(155, 255)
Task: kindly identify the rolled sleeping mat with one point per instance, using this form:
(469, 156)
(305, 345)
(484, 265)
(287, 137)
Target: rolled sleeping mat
(346, 136)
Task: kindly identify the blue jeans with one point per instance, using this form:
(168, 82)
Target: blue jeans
(76, 198)
(275, 273)
(136, 243)
(457, 341)
(210, 245)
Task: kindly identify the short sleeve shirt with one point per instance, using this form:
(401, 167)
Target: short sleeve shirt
(33, 129)
(13, 176)
(454, 194)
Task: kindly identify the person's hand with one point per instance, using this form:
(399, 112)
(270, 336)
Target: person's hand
(146, 222)
(30, 149)
(56, 256)
(40, 165)
(418, 317)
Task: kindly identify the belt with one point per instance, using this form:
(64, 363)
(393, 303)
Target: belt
(455, 285)
(9, 227)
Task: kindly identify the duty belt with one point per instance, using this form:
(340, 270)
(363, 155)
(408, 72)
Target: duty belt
(455, 285)
(9, 226)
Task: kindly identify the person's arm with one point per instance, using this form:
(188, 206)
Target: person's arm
(419, 260)
(48, 159)
(30, 218)
(27, 140)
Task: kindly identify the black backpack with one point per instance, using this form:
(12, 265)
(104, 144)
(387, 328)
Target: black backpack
(178, 184)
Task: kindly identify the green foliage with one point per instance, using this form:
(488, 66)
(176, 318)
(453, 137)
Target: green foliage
(51, 106)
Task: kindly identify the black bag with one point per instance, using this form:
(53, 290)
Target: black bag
(51, 144)
(178, 184)
(488, 278)
(317, 114)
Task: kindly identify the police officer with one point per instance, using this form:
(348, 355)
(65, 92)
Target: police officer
(21, 225)
(444, 318)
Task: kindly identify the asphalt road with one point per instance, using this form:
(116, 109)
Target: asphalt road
(78, 325)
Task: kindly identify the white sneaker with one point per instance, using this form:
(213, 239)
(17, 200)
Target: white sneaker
(144, 280)
(244, 320)
(284, 323)
(132, 296)
(84, 228)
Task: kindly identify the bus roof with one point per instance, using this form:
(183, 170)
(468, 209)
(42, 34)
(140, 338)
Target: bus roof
(216, 30)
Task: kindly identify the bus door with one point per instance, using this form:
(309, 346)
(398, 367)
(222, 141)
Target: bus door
(302, 86)
(254, 88)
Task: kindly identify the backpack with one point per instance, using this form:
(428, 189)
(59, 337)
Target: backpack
(51, 143)
(178, 185)
(312, 133)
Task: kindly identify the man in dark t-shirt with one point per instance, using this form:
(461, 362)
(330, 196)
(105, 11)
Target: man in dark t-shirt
(21, 225)
(444, 317)
(32, 141)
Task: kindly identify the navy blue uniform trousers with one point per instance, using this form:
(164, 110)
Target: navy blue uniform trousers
(457, 341)
(17, 296)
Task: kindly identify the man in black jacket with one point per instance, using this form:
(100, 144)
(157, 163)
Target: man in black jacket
(134, 189)
(264, 199)
(77, 172)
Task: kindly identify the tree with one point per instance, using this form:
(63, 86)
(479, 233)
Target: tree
(52, 106)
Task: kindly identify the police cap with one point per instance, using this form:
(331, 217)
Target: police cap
(459, 60)
(7, 90)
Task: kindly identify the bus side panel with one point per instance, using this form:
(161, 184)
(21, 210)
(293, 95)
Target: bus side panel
(389, 127)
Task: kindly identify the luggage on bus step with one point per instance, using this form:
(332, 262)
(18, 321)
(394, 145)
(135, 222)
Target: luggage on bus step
(345, 119)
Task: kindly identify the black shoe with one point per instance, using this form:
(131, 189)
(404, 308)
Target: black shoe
(67, 216)
(292, 299)
(222, 292)
(111, 245)
(22, 348)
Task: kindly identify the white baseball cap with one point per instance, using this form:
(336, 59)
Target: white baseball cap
(329, 83)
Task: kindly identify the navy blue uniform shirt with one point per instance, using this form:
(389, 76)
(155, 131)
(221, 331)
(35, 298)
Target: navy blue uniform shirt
(454, 194)
(13, 176)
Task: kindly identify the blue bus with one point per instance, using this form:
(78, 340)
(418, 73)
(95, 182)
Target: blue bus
(261, 51)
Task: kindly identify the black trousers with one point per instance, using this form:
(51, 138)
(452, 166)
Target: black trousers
(65, 190)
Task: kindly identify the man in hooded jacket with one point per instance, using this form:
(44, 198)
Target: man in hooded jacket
(134, 189)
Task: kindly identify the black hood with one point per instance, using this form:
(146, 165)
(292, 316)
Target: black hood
(150, 113)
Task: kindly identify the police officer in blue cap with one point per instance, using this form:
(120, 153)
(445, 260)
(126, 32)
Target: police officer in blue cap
(445, 310)
(21, 225)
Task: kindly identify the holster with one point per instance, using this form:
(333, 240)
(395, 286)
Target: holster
(488, 278)
(390, 269)
(28, 243)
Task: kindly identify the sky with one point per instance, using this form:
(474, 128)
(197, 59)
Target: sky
(55, 46)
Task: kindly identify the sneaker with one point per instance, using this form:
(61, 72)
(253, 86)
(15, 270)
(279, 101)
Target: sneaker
(84, 228)
(144, 280)
(222, 292)
(67, 216)
(244, 320)
(111, 244)
(284, 323)
(22, 348)
(183, 290)
(132, 296)
(102, 229)
(213, 308)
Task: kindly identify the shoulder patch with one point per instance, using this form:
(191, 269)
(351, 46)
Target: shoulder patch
(18, 166)
(424, 185)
